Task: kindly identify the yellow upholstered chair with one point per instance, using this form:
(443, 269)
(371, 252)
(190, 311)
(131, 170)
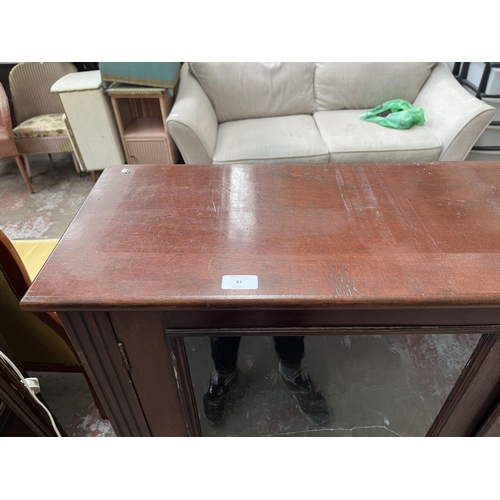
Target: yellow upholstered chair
(34, 253)
(38, 340)
(41, 126)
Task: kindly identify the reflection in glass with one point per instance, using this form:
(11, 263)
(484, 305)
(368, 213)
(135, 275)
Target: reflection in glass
(376, 385)
(223, 383)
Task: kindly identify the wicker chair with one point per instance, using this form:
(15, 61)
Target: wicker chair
(7, 145)
(41, 126)
(38, 340)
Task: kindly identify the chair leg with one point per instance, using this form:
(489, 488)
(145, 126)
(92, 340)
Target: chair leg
(97, 401)
(77, 164)
(27, 165)
(20, 165)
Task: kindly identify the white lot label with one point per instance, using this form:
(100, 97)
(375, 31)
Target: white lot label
(238, 282)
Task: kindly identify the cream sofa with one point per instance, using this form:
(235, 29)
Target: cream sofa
(309, 113)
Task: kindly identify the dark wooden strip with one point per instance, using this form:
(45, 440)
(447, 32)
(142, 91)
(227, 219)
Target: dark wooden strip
(491, 428)
(202, 319)
(97, 346)
(271, 331)
(143, 338)
(184, 384)
(475, 393)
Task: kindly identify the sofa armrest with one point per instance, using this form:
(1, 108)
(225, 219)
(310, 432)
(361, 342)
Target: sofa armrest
(452, 113)
(192, 122)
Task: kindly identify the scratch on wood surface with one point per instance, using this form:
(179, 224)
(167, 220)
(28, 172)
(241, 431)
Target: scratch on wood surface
(216, 208)
(170, 260)
(153, 223)
(407, 215)
(371, 203)
(425, 231)
(174, 366)
(343, 283)
(341, 183)
(415, 286)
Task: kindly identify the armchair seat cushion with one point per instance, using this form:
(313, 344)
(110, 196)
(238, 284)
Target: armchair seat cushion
(283, 139)
(51, 125)
(350, 139)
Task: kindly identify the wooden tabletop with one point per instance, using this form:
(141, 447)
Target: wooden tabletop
(314, 236)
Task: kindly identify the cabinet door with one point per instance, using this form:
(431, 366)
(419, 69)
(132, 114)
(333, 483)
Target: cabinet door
(147, 152)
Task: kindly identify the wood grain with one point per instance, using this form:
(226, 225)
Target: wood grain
(355, 236)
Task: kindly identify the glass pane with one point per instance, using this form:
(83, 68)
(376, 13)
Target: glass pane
(391, 385)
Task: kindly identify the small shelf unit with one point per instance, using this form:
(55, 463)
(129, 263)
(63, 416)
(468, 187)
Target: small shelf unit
(141, 114)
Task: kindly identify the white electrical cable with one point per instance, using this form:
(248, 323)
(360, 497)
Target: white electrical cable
(30, 390)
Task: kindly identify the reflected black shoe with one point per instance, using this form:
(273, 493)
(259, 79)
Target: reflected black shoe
(218, 395)
(312, 404)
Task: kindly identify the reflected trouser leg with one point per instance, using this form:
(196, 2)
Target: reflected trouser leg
(225, 352)
(311, 403)
(290, 350)
(223, 378)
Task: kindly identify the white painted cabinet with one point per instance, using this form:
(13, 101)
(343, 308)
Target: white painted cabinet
(90, 120)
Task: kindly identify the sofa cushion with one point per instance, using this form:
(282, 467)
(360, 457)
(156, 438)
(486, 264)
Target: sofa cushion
(285, 139)
(350, 140)
(366, 85)
(239, 91)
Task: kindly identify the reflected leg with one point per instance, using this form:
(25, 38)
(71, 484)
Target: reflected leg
(290, 351)
(225, 352)
(223, 378)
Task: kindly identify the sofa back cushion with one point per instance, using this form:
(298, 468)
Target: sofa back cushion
(240, 91)
(363, 85)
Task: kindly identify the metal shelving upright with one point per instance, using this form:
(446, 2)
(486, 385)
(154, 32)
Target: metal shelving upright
(483, 81)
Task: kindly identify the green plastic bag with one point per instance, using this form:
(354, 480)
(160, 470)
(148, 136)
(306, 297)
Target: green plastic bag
(398, 113)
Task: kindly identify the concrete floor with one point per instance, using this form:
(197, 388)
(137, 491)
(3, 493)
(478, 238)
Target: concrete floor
(59, 193)
(374, 386)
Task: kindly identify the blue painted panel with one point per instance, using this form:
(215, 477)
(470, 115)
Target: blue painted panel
(153, 74)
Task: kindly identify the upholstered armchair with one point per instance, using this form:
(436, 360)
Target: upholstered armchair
(8, 147)
(39, 113)
(309, 113)
(37, 340)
